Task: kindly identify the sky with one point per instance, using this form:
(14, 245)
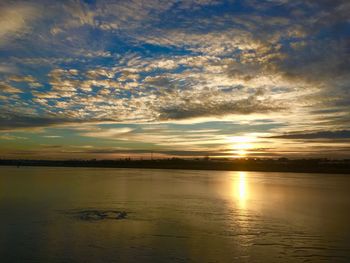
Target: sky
(176, 78)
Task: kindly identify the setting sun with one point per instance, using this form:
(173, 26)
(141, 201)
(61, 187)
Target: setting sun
(241, 153)
(241, 144)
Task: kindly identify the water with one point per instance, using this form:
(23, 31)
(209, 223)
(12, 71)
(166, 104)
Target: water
(172, 216)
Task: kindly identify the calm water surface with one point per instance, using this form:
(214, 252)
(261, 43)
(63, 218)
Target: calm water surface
(173, 216)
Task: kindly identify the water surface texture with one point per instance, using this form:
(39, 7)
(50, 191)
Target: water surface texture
(135, 215)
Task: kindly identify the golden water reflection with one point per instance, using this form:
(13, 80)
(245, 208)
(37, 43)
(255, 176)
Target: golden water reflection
(241, 195)
(241, 190)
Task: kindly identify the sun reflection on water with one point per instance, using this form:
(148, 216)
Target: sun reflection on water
(241, 190)
(242, 217)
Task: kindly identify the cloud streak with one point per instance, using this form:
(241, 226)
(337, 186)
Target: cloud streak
(342, 134)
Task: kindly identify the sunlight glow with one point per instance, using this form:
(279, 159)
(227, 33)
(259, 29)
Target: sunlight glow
(240, 144)
(241, 153)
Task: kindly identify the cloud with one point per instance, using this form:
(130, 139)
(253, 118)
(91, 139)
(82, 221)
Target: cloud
(147, 152)
(113, 133)
(121, 15)
(6, 88)
(15, 20)
(212, 108)
(342, 134)
(17, 78)
(7, 68)
(11, 121)
(7, 136)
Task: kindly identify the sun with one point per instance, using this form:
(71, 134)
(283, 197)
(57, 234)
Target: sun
(241, 144)
(241, 153)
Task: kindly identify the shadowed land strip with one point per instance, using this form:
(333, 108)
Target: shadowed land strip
(264, 165)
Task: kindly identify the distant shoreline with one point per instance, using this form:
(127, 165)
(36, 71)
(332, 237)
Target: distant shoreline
(269, 165)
